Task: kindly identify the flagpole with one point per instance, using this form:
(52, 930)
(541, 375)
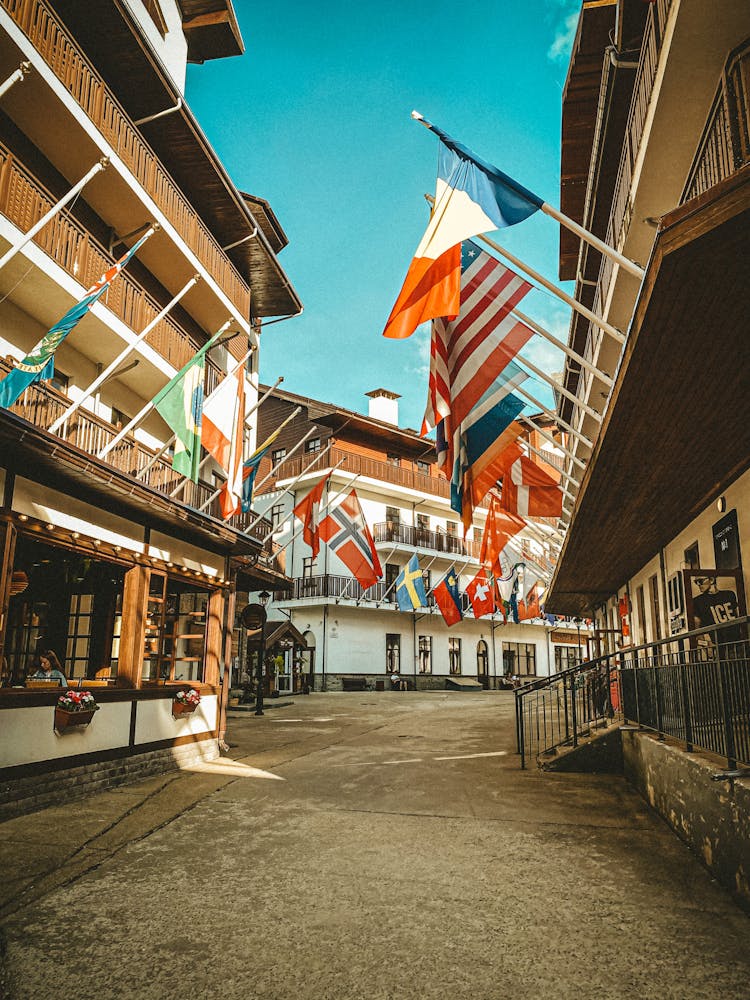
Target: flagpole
(17, 247)
(289, 454)
(141, 415)
(208, 457)
(548, 437)
(573, 355)
(103, 376)
(560, 388)
(342, 597)
(385, 595)
(557, 215)
(551, 286)
(289, 489)
(23, 70)
(299, 531)
(165, 447)
(553, 416)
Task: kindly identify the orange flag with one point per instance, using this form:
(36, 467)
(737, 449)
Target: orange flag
(309, 512)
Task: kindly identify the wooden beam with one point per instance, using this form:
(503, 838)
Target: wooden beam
(7, 554)
(134, 604)
(214, 638)
(206, 20)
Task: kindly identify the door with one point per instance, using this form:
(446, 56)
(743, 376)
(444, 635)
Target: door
(483, 674)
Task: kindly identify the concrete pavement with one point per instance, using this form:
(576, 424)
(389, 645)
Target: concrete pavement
(365, 846)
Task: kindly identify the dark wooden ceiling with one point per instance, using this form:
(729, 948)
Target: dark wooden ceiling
(211, 29)
(118, 50)
(677, 431)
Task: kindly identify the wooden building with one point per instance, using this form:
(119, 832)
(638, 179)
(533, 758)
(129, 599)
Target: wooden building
(107, 557)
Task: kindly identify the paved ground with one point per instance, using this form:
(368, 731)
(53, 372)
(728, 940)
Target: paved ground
(366, 846)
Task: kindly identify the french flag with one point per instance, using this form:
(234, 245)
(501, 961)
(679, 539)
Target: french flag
(471, 197)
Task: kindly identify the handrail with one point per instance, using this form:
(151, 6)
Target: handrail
(693, 687)
(48, 36)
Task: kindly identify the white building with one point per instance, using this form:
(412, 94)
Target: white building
(355, 637)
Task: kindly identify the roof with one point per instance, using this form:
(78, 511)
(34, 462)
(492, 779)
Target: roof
(674, 436)
(277, 631)
(211, 29)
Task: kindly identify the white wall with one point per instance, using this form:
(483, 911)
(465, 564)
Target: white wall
(172, 49)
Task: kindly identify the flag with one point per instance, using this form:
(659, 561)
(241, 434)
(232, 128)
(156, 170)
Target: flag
(471, 197)
(527, 489)
(410, 592)
(250, 470)
(468, 354)
(480, 595)
(348, 536)
(529, 608)
(501, 526)
(448, 598)
(223, 436)
(474, 446)
(308, 511)
(230, 497)
(40, 363)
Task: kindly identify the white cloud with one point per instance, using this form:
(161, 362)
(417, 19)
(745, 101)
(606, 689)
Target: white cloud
(565, 29)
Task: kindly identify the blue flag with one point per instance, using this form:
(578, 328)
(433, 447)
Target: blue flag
(40, 363)
(410, 592)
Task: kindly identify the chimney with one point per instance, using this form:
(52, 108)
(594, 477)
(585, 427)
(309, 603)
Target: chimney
(384, 406)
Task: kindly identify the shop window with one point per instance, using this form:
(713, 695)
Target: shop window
(425, 654)
(392, 652)
(454, 655)
(565, 657)
(519, 659)
(175, 637)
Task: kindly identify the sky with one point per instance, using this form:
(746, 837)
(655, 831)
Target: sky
(315, 118)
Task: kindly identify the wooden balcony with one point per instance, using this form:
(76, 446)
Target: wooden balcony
(48, 36)
(41, 404)
(725, 144)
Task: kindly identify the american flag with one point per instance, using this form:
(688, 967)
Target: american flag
(468, 353)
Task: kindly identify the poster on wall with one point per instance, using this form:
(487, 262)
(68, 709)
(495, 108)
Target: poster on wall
(726, 538)
(714, 597)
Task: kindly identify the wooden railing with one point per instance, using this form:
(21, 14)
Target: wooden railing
(725, 143)
(48, 36)
(41, 404)
(23, 200)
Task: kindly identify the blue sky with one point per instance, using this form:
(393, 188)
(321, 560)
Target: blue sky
(315, 118)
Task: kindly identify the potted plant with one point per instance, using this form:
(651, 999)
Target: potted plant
(74, 708)
(185, 702)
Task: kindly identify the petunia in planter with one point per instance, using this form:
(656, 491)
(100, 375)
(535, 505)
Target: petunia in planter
(74, 709)
(185, 702)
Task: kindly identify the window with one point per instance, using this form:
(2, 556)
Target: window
(277, 455)
(307, 567)
(392, 459)
(692, 557)
(423, 467)
(641, 605)
(393, 515)
(426, 578)
(155, 13)
(60, 380)
(478, 535)
(392, 652)
(119, 419)
(451, 529)
(423, 522)
(653, 593)
(519, 658)
(454, 655)
(392, 570)
(313, 444)
(79, 634)
(565, 657)
(425, 654)
(276, 514)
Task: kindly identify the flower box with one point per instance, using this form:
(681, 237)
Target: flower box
(185, 702)
(180, 708)
(65, 720)
(74, 709)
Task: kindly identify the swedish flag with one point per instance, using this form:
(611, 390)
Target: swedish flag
(410, 592)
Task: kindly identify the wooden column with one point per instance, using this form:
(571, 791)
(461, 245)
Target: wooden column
(133, 632)
(226, 677)
(7, 553)
(214, 638)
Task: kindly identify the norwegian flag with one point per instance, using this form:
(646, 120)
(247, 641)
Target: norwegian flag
(468, 354)
(346, 532)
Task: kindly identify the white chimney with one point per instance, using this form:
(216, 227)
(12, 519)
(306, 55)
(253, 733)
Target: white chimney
(384, 406)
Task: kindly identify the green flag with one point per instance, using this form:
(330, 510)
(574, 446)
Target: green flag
(180, 404)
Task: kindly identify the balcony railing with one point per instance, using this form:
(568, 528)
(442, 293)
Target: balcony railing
(399, 475)
(725, 144)
(337, 587)
(41, 404)
(23, 200)
(48, 36)
(422, 538)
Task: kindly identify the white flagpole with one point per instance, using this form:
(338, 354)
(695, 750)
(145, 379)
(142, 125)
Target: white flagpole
(143, 413)
(294, 482)
(171, 441)
(16, 77)
(101, 378)
(574, 458)
(299, 531)
(208, 457)
(553, 416)
(546, 458)
(552, 287)
(560, 388)
(289, 489)
(289, 454)
(573, 355)
(350, 581)
(17, 247)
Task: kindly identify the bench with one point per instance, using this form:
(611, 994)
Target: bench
(354, 684)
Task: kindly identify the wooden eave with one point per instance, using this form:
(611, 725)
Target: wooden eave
(31, 453)
(580, 99)
(267, 220)
(211, 29)
(675, 434)
(118, 49)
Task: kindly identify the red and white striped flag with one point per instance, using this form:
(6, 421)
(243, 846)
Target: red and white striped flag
(468, 354)
(527, 489)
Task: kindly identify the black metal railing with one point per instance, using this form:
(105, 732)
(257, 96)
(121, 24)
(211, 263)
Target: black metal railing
(694, 687)
(423, 538)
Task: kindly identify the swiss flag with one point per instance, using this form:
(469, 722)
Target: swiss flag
(308, 511)
(480, 595)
